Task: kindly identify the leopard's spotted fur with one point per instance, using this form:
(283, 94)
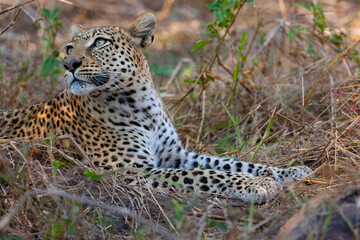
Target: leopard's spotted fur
(111, 109)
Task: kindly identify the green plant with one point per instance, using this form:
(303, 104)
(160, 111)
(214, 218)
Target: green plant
(56, 230)
(310, 50)
(92, 175)
(140, 233)
(180, 210)
(318, 14)
(251, 213)
(51, 61)
(318, 29)
(225, 12)
(329, 211)
(319, 25)
(224, 142)
(218, 224)
(235, 121)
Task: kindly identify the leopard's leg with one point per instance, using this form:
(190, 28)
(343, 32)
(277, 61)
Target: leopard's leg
(240, 186)
(180, 158)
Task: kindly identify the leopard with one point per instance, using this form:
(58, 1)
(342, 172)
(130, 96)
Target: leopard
(111, 108)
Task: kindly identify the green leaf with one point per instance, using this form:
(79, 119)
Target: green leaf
(357, 73)
(227, 4)
(71, 228)
(222, 17)
(336, 39)
(58, 228)
(57, 71)
(47, 67)
(22, 175)
(219, 151)
(178, 213)
(46, 13)
(355, 55)
(304, 5)
(242, 41)
(201, 43)
(327, 221)
(294, 31)
(141, 233)
(56, 165)
(92, 175)
(313, 5)
(215, 5)
(262, 38)
(221, 225)
(310, 50)
(212, 223)
(55, 12)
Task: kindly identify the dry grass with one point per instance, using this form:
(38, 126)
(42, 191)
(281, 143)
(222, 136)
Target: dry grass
(312, 102)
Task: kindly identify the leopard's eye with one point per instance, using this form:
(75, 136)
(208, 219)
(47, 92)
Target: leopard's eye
(69, 49)
(99, 42)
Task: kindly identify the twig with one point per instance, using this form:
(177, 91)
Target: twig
(202, 115)
(176, 71)
(164, 12)
(52, 191)
(16, 6)
(252, 41)
(87, 159)
(194, 84)
(12, 22)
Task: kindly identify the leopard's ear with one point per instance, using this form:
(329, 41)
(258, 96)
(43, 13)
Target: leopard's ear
(76, 29)
(142, 29)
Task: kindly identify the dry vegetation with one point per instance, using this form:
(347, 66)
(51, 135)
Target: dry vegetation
(293, 100)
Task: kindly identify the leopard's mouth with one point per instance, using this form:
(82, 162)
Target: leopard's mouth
(80, 86)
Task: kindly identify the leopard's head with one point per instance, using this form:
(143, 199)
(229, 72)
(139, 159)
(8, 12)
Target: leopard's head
(108, 58)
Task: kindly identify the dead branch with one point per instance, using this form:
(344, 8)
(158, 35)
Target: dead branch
(16, 6)
(52, 191)
(12, 22)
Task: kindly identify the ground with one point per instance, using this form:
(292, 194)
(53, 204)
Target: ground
(294, 102)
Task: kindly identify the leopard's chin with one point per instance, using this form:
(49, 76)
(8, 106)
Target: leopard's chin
(80, 87)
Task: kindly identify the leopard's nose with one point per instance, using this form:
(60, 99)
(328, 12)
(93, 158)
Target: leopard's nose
(72, 65)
